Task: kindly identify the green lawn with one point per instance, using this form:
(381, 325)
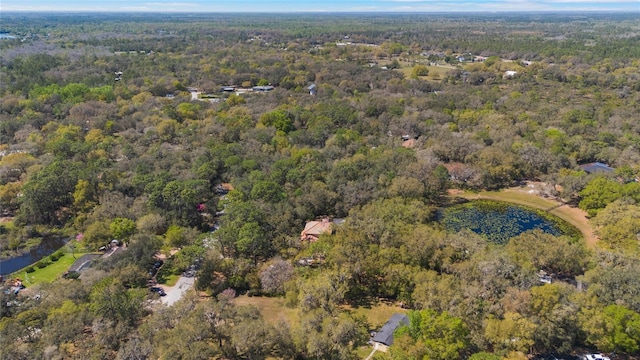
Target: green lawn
(169, 280)
(49, 273)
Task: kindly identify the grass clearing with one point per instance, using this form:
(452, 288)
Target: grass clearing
(272, 308)
(169, 280)
(376, 314)
(49, 273)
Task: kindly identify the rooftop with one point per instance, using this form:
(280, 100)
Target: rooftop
(596, 167)
(385, 334)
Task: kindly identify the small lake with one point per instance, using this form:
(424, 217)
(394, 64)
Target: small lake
(48, 246)
(500, 221)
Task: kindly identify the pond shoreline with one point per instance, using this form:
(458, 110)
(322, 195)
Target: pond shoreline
(33, 254)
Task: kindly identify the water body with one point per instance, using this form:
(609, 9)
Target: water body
(48, 246)
(499, 222)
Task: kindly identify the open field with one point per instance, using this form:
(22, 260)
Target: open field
(272, 308)
(436, 73)
(529, 197)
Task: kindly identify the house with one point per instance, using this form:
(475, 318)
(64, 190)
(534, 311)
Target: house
(313, 90)
(596, 167)
(313, 229)
(83, 262)
(263, 88)
(384, 337)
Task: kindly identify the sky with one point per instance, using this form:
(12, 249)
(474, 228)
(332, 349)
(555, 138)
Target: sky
(291, 6)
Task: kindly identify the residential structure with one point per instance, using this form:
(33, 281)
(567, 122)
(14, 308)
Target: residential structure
(313, 229)
(313, 90)
(596, 167)
(384, 337)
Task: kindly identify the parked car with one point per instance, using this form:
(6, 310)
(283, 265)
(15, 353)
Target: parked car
(594, 357)
(158, 290)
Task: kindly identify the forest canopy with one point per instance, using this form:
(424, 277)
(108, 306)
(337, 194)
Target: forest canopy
(207, 143)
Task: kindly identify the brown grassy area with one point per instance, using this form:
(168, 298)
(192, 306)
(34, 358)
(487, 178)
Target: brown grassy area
(377, 314)
(527, 196)
(436, 73)
(272, 308)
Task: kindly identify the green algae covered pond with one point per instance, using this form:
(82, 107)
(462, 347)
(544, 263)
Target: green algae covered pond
(500, 221)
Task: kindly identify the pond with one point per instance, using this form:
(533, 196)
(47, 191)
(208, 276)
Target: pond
(47, 246)
(500, 221)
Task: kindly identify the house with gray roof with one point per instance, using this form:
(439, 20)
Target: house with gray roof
(384, 336)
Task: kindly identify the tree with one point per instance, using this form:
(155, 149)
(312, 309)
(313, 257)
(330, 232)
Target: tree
(614, 328)
(513, 333)
(279, 119)
(274, 276)
(97, 234)
(598, 193)
(618, 225)
(434, 336)
(555, 317)
(111, 300)
(557, 255)
(47, 193)
(420, 70)
(122, 228)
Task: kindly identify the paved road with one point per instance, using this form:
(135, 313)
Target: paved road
(177, 291)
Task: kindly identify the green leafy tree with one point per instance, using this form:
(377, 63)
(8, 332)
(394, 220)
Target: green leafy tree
(614, 328)
(598, 193)
(122, 228)
(420, 70)
(48, 192)
(111, 300)
(279, 119)
(437, 336)
(513, 333)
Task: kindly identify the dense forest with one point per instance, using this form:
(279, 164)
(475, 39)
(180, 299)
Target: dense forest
(209, 141)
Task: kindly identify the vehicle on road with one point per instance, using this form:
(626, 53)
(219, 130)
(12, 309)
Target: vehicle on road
(594, 357)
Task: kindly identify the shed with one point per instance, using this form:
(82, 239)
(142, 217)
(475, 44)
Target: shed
(384, 336)
(312, 89)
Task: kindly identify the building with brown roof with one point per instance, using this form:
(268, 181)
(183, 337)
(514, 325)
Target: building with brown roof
(313, 229)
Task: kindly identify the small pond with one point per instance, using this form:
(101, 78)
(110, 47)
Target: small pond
(47, 246)
(500, 221)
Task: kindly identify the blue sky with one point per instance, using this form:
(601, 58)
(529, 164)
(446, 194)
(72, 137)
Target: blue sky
(319, 5)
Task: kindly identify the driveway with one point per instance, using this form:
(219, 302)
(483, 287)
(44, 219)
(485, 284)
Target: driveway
(177, 291)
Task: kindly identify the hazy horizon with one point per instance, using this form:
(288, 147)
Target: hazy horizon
(331, 6)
